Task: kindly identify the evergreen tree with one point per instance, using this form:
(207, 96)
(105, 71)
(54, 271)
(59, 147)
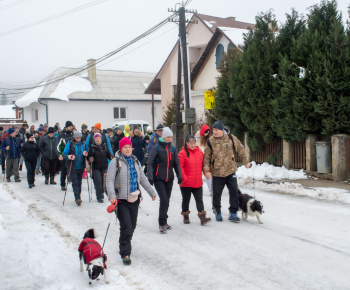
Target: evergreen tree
(170, 113)
(252, 81)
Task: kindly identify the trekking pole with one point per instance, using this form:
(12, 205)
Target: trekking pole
(90, 196)
(106, 235)
(143, 210)
(87, 179)
(70, 167)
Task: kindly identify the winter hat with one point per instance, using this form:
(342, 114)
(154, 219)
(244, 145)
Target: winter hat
(45, 125)
(41, 129)
(25, 123)
(127, 127)
(160, 127)
(77, 134)
(83, 126)
(146, 138)
(97, 126)
(1, 129)
(41, 125)
(68, 124)
(204, 128)
(36, 132)
(50, 130)
(219, 125)
(167, 132)
(123, 142)
(97, 135)
(149, 129)
(11, 131)
(55, 128)
(28, 135)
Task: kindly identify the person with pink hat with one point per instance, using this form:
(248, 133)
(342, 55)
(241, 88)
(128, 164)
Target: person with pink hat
(124, 177)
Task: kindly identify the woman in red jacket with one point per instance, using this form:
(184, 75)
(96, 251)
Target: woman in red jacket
(191, 164)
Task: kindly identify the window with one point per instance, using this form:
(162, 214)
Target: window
(230, 46)
(35, 115)
(219, 55)
(119, 113)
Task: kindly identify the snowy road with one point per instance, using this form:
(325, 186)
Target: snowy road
(303, 243)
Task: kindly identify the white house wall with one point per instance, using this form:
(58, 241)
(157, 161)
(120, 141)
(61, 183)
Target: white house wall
(92, 112)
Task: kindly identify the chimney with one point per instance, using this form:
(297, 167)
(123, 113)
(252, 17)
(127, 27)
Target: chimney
(92, 70)
(231, 18)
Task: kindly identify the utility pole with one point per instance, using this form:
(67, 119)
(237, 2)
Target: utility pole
(182, 66)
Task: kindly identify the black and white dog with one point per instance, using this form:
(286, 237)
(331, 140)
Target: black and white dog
(91, 254)
(249, 206)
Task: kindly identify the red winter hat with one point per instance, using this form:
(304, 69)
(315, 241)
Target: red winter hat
(203, 129)
(112, 207)
(123, 142)
(98, 126)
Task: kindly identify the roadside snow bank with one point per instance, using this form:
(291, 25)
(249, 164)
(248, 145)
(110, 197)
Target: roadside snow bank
(266, 171)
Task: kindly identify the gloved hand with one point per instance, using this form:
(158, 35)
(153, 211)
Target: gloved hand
(179, 181)
(151, 182)
(91, 159)
(85, 153)
(71, 157)
(112, 207)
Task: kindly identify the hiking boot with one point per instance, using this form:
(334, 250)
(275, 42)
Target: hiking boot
(203, 218)
(162, 229)
(47, 179)
(186, 217)
(218, 217)
(63, 188)
(100, 201)
(52, 180)
(30, 185)
(18, 180)
(126, 260)
(3, 171)
(78, 202)
(8, 179)
(233, 217)
(168, 227)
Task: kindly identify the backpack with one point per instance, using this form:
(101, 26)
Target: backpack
(172, 147)
(233, 144)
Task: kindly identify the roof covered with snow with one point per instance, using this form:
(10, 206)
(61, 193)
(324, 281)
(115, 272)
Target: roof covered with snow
(110, 85)
(213, 22)
(6, 112)
(235, 35)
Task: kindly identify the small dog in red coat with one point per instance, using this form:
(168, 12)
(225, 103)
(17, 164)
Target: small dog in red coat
(91, 254)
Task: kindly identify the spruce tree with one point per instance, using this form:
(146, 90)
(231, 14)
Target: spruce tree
(170, 113)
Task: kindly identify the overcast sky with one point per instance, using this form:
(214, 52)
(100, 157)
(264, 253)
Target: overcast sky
(32, 54)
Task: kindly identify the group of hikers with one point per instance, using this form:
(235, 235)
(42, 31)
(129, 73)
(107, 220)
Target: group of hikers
(121, 161)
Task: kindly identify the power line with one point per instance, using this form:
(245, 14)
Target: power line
(52, 17)
(12, 4)
(99, 60)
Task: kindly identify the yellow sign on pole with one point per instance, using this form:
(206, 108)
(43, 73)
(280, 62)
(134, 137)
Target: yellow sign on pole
(209, 100)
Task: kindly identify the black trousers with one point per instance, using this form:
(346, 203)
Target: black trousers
(186, 197)
(64, 172)
(218, 186)
(164, 192)
(76, 175)
(50, 166)
(3, 159)
(98, 178)
(30, 165)
(127, 215)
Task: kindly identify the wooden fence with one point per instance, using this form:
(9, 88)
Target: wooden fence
(273, 154)
(299, 155)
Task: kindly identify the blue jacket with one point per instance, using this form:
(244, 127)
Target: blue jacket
(76, 149)
(104, 139)
(153, 140)
(15, 147)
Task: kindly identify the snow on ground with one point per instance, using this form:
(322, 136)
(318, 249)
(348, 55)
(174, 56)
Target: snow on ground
(303, 243)
(277, 180)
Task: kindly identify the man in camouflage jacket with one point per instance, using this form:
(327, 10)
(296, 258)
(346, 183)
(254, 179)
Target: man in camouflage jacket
(220, 163)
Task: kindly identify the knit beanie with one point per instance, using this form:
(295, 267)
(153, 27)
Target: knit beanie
(219, 125)
(50, 130)
(83, 126)
(97, 135)
(28, 135)
(124, 141)
(77, 134)
(146, 138)
(41, 129)
(68, 124)
(149, 129)
(97, 126)
(127, 127)
(11, 131)
(160, 127)
(167, 132)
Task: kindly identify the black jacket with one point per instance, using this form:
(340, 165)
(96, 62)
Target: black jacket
(63, 139)
(162, 159)
(115, 141)
(30, 151)
(84, 135)
(48, 147)
(138, 144)
(100, 156)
